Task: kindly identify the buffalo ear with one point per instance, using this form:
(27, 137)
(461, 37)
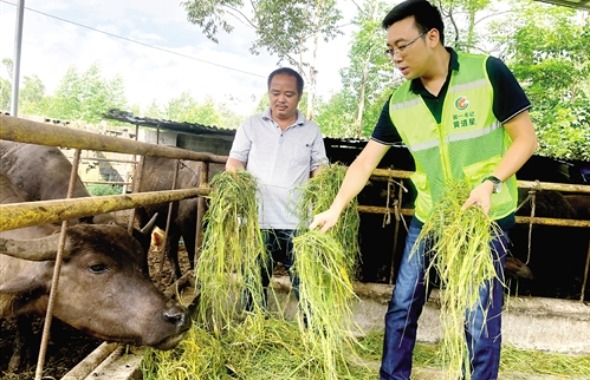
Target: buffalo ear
(36, 249)
(23, 284)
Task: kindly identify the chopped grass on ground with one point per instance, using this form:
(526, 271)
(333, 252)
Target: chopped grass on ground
(512, 359)
(277, 351)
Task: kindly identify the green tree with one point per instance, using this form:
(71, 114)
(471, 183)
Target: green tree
(368, 75)
(32, 96)
(86, 96)
(288, 29)
(548, 49)
(6, 85)
(5, 91)
(153, 110)
(185, 108)
(461, 20)
(229, 119)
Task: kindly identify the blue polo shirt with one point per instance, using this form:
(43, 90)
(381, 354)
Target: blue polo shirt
(281, 162)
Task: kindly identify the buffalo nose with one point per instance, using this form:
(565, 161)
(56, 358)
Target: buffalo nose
(177, 316)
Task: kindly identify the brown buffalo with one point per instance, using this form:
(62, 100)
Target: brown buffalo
(41, 173)
(102, 289)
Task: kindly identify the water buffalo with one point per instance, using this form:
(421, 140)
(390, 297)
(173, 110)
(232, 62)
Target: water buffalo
(581, 205)
(555, 275)
(41, 173)
(102, 289)
(158, 175)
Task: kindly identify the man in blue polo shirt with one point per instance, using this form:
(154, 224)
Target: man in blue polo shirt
(463, 117)
(282, 150)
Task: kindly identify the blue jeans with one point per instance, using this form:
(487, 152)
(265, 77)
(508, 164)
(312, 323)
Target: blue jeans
(483, 333)
(279, 245)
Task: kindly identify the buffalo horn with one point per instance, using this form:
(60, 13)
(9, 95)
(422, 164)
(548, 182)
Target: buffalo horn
(149, 226)
(40, 249)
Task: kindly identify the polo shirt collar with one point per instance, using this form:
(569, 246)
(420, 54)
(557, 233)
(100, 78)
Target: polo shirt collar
(418, 88)
(300, 118)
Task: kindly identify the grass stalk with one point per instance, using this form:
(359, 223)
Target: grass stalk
(459, 245)
(233, 250)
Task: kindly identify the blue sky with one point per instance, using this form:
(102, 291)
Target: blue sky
(226, 72)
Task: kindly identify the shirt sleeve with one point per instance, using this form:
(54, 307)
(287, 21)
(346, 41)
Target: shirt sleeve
(509, 97)
(385, 132)
(318, 151)
(242, 143)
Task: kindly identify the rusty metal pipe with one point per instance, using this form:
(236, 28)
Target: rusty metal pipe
(18, 215)
(31, 132)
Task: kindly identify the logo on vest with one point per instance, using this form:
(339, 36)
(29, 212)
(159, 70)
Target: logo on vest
(463, 119)
(461, 103)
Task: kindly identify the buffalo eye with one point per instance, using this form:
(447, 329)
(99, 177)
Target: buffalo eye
(98, 268)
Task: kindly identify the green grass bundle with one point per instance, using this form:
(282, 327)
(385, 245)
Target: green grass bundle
(233, 248)
(325, 265)
(325, 296)
(460, 241)
(317, 196)
(199, 356)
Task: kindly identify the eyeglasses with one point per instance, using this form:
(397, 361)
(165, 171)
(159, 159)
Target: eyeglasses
(400, 49)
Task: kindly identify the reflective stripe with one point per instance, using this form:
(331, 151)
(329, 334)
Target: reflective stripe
(466, 144)
(469, 86)
(455, 137)
(424, 145)
(406, 104)
(474, 134)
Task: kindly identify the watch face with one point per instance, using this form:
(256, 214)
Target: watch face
(497, 183)
(497, 187)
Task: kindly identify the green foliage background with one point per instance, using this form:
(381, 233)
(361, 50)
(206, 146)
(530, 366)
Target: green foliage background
(546, 46)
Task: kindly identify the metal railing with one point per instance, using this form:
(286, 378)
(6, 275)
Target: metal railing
(20, 215)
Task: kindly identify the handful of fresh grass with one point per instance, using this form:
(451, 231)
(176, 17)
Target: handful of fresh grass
(325, 265)
(325, 295)
(460, 243)
(233, 249)
(317, 196)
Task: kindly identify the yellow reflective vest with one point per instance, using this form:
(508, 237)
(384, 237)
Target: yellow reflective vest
(468, 143)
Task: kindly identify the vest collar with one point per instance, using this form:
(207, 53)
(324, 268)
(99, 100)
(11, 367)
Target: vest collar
(417, 87)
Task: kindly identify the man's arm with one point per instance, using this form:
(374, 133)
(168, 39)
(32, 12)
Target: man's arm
(354, 181)
(524, 143)
(316, 171)
(233, 164)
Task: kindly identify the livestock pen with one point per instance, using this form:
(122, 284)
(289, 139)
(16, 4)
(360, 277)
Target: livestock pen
(21, 215)
(24, 214)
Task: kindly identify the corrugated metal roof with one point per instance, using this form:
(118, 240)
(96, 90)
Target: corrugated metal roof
(193, 128)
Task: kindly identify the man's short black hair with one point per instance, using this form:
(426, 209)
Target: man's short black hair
(288, 71)
(426, 16)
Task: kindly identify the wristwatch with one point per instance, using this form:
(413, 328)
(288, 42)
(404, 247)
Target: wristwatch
(496, 181)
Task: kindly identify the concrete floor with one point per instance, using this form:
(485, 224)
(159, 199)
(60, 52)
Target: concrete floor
(544, 324)
(551, 325)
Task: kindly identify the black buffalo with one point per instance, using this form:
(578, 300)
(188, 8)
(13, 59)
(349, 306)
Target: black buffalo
(158, 175)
